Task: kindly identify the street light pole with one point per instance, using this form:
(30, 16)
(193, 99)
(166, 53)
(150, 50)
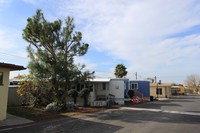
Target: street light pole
(136, 75)
(157, 87)
(157, 90)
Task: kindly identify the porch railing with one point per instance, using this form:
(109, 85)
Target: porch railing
(111, 99)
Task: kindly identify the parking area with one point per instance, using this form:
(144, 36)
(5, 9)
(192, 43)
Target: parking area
(179, 114)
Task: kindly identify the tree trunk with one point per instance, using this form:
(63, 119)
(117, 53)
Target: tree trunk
(74, 100)
(64, 97)
(85, 101)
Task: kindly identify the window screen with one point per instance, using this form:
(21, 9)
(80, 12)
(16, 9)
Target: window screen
(159, 91)
(1, 78)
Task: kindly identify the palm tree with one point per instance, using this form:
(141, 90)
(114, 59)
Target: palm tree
(84, 93)
(73, 93)
(120, 71)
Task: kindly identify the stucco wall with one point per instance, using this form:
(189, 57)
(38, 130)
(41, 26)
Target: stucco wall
(4, 93)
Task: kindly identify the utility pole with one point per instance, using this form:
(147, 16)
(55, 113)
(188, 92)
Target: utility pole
(136, 75)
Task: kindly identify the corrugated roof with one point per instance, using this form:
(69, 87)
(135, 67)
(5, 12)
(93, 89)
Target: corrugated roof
(119, 79)
(106, 79)
(12, 67)
(100, 80)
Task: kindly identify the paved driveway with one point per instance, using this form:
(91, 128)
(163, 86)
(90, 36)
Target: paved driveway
(180, 114)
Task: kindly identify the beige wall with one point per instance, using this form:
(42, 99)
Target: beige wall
(168, 91)
(4, 93)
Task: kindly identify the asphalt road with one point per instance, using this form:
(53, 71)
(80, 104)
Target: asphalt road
(178, 115)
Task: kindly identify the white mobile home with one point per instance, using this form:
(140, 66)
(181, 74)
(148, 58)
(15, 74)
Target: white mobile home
(117, 88)
(108, 91)
(104, 92)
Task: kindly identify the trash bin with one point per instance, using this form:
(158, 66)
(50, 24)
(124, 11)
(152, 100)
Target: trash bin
(151, 98)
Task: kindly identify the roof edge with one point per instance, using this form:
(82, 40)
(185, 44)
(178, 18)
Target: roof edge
(12, 67)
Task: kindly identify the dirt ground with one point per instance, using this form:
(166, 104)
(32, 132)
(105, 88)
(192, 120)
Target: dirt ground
(38, 114)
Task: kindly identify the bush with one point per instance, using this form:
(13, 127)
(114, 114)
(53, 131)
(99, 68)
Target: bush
(58, 107)
(131, 93)
(55, 107)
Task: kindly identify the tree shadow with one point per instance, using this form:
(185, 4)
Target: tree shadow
(141, 116)
(158, 111)
(64, 125)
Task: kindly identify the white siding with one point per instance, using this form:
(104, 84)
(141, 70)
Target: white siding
(117, 88)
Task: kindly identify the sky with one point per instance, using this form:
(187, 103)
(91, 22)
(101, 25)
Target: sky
(150, 37)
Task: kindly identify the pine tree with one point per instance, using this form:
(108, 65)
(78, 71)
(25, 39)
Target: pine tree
(52, 48)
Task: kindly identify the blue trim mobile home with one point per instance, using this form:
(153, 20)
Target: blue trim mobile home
(142, 86)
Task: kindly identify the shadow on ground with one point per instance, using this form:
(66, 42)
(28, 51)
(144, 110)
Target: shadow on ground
(72, 125)
(140, 116)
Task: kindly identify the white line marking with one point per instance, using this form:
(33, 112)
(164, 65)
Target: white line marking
(165, 111)
(6, 129)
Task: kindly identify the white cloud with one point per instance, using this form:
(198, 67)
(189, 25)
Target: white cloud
(141, 32)
(6, 41)
(138, 31)
(12, 47)
(34, 2)
(4, 4)
(89, 66)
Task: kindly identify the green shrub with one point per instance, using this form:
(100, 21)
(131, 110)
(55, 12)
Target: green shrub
(55, 107)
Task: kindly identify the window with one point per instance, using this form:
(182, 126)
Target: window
(116, 87)
(159, 91)
(80, 87)
(134, 86)
(86, 85)
(1, 78)
(91, 87)
(104, 86)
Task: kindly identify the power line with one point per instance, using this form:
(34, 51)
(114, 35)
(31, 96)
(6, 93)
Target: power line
(12, 56)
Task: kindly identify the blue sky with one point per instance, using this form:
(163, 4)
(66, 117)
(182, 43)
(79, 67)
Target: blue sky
(153, 38)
